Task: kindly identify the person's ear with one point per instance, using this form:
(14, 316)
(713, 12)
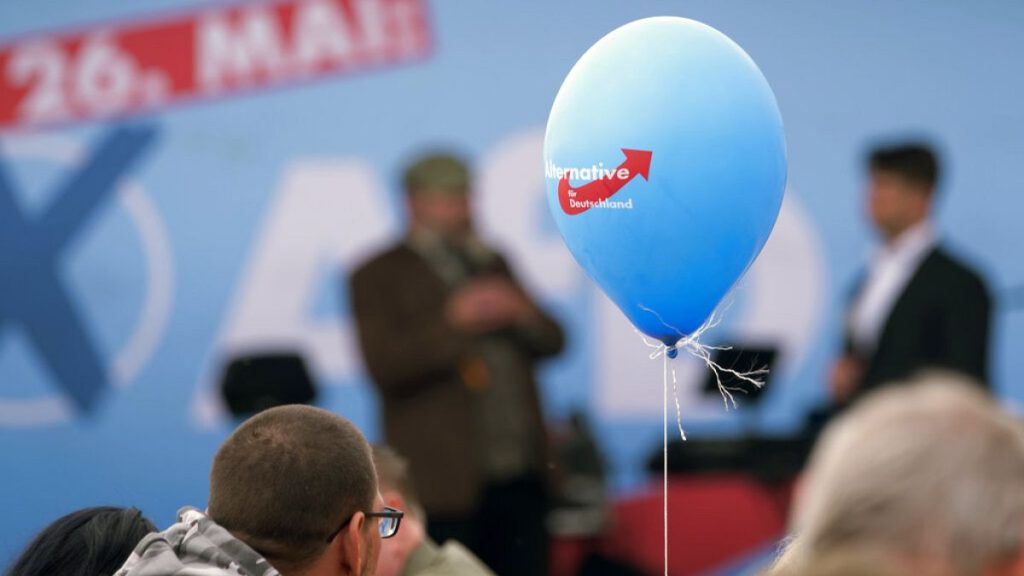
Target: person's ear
(351, 542)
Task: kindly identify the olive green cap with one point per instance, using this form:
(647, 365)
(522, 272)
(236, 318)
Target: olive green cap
(437, 174)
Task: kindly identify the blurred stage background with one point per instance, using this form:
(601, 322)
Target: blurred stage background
(237, 213)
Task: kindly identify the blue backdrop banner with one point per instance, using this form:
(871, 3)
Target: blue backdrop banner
(159, 216)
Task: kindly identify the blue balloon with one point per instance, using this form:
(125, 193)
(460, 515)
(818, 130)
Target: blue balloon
(665, 164)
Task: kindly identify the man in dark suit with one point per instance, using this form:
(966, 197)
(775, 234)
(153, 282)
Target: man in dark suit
(450, 339)
(917, 307)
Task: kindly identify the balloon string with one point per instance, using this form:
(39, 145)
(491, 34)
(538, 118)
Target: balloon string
(692, 344)
(679, 409)
(664, 455)
(661, 349)
(702, 352)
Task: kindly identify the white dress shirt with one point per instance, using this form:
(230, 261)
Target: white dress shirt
(890, 270)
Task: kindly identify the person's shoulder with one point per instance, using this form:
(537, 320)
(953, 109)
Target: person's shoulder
(451, 560)
(193, 545)
(454, 559)
(945, 259)
(159, 554)
(392, 257)
(952, 270)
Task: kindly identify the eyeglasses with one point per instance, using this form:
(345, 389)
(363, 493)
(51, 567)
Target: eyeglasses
(390, 518)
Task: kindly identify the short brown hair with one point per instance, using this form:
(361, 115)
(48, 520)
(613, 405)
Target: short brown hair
(287, 478)
(393, 474)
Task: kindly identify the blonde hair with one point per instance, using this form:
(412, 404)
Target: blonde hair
(925, 473)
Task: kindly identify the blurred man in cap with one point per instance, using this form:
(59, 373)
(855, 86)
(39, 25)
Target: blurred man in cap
(451, 340)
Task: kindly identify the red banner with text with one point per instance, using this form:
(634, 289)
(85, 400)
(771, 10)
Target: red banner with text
(113, 70)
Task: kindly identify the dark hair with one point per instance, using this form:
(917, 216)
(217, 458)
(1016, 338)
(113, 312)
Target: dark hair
(287, 478)
(89, 542)
(916, 162)
(393, 474)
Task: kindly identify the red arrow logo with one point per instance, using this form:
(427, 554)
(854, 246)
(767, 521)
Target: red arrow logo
(578, 200)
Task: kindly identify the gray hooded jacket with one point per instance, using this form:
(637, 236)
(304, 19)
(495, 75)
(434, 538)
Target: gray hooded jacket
(195, 546)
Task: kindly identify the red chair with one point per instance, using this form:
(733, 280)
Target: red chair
(713, 520)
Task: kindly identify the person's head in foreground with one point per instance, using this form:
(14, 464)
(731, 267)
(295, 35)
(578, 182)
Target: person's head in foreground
(292, 491)
(903, 179)
(397, 490)
(88, 542)
(923, 479)
(411, 552)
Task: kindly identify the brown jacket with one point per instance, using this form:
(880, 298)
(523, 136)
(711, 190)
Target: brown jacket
(413, 356)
